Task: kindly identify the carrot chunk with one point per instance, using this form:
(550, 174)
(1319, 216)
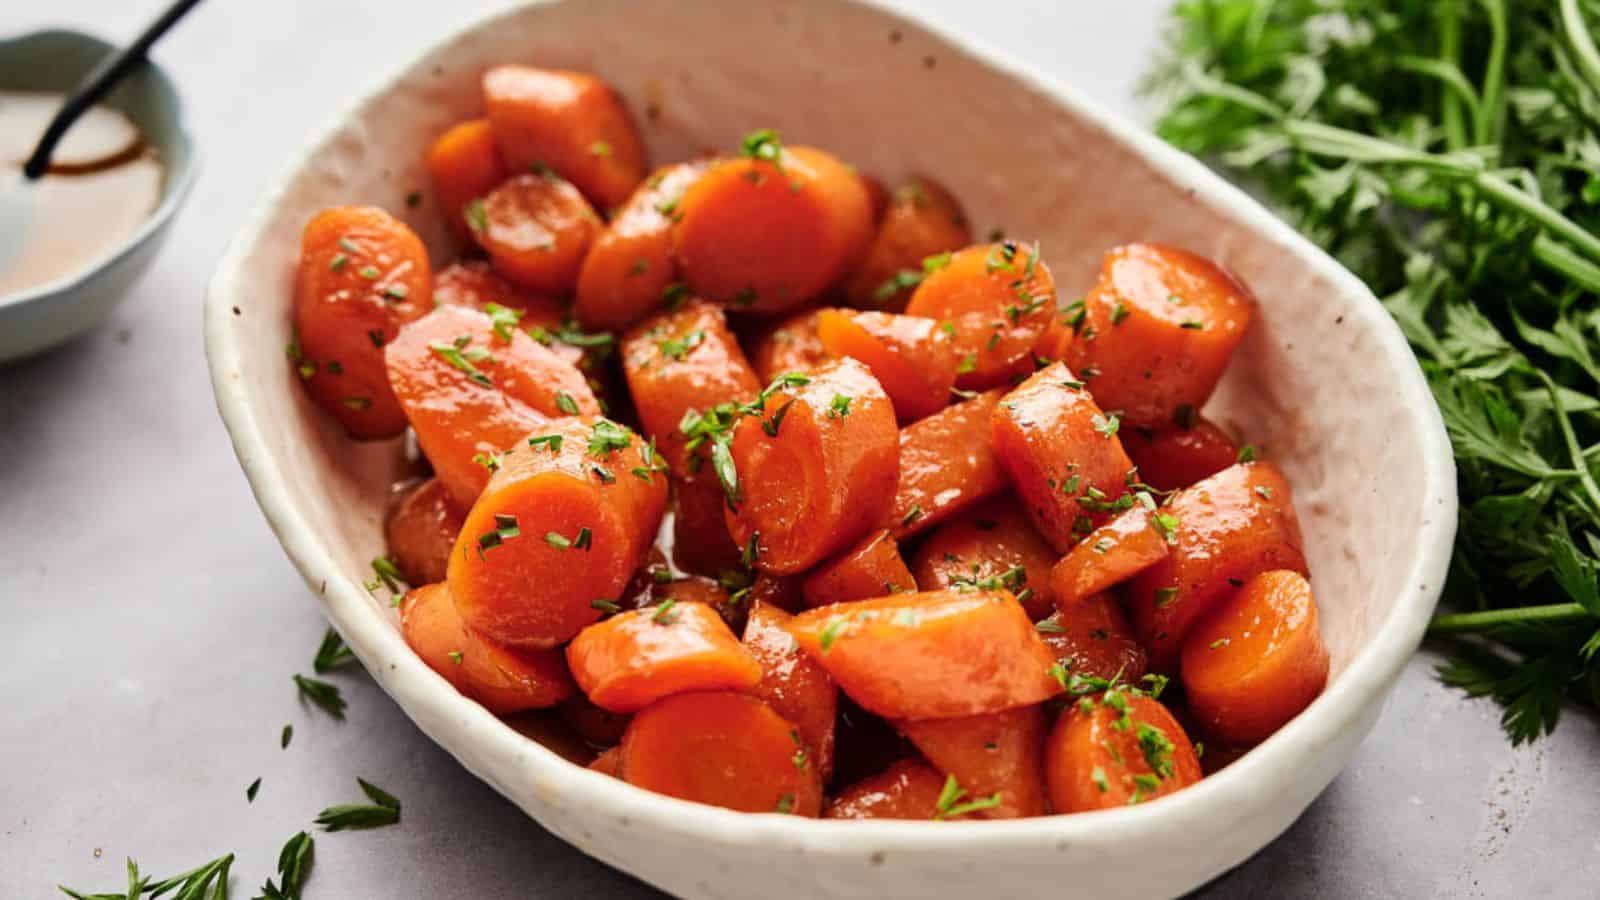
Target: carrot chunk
(999, 298)
(464, 165)
(420, 531)
(700, 539)
(793, 685)
(872, 568)
(1113, 553)
(562, 523)
(609, 762)
(997, 758)
(630, 269)
(635, 658)
(536, 230)
(934, 655)
(913, 358)
(1117, 749)
(790, 345)
(921, 220)
(722, 749)
(700, 589)
(599, 728)
(1093, 639)
(503, 679)
(908, 789)
(474, 284)
(947, 463)
(1176, 457)
(1256, 661)
(991, 544)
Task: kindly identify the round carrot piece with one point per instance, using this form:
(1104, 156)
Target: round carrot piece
(464, 164)
(473, 387)
(1230, 527)
(473, 283)
(700, 539)
(1113, 553)
(570, 121)
(705, 591)
(536, 229)
(1256, 661)
(770, 230)
(921, 220)
(1093, 639)
(908, 789)
(794, 686)
(872, 568)
(913, 358)
(599, 728)
(503, 679)
(362, 275)
(420, 531)
(935, 655)
(992, 543)
(1117, 749)
(877, 196)
(1157, 331)
(999, 298)
(1176, 457)
(947, 464)
(790, 345)
(635, 658)
(814, 471)
(1062, 453)
(722, 749)
(609, 762)
(996, 758)
(630, 270)
(565, 513)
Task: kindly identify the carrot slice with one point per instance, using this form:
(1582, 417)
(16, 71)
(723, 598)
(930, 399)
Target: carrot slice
(1094, 640)
(771, 230)
(1117, 749)
(1176, 457)
(793, 685)
(911, 357)
(991, 543)
(464, 164)
(599, 728)
(1062, 453)
(782, 591)
(999, 298)
(635, 658)
(996, 758)
(420, 531)
(707, 591)
(362, 275)
(1256, 661)
(474, 284)
(1157, 331)
(630, 270)
(722, 749)
(473, 386)
(947, 463)
(536, 230)
(922, 220)
(503, 679)
(570, 121)
(565, 513)
(872, 568)
(933, 655)
(1230, 527)
(700, 539)
(1113, 553)
(609, 762)
(790, 345)
(815, 470)
(909, 789)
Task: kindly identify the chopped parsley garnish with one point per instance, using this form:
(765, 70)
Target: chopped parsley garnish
(912, 514)
(664, 614)
(321, 693)
(505, 528)
(476, 216)
(1247, 453)
(678, 348)
(250, 792)
(550, 441)
(1106, 424)
(831, 631)
(490, 461)
(839, 406)
(566, 404)
(464, 358)
(609, 437)
(331, 653)
(605, 606)
(384, 810)
(762, 145)
(599, 149)
(504, 319)
(950, 806)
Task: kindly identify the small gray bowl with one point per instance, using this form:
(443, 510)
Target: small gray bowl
(46, 315)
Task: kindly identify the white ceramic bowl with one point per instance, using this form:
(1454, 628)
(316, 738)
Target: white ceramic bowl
(1325, 382)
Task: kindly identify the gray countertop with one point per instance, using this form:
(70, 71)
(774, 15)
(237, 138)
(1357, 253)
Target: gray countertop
(151, 622)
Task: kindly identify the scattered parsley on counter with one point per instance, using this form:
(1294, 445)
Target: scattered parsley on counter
(384, 810)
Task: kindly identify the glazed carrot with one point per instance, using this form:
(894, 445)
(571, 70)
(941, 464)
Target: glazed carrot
(933, 655)
(705, 591)
(1093, 639)
(503, 679)
(997, 758)
(790, 345)
(474, 284)
(947, 463)
(635, 658)
(1232, 526)
(1113, 553)
(1157, 331)
(1255, 661)
(1176, 457)
(599, 728)
(536, 229)
(922, 220)
(1114, 750)
(909, 789)
(473, 387)
(781, 591)
(700, 539)
(682, 360)
(570, 121)
(571, 510)
(421, 529)
(770, 230)
(999, 298)
(723, 749)
(793, 685)
(1062, 453)
(872, 568)
(992, 542)
(362, 275)
(609, 762)
(630, 269)
(877, 196)
(913, 358)
(815, 470)
(464, 164)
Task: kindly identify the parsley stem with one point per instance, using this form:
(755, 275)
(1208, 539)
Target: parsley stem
(1583, 49)
(1585, 477)
(1455, 129)
(1448, 74)
(1487, 124)
(1487, 619)
(1508, 195)
(1558, 257)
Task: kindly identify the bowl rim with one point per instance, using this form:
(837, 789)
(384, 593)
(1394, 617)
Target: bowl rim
(175, 189)
(1366, 679)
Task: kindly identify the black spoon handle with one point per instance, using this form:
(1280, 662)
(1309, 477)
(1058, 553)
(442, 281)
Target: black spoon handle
(99, 82)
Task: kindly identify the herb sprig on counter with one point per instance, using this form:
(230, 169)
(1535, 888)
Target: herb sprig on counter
(1449, 154)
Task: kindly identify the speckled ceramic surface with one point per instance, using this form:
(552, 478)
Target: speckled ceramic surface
(1325, 381)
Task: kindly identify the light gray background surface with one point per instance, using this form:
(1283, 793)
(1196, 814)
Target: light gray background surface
(149, 622)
